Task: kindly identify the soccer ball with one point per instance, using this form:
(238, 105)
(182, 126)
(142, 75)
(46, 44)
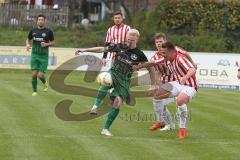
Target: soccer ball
(105, 79)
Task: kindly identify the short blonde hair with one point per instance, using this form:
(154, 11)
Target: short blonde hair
(134, 32)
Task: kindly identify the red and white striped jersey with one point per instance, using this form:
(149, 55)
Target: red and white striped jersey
(180, 50)
(116, 34)
(180, 66)
(166, 74)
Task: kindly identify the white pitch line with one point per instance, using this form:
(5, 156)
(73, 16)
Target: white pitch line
(206, 141)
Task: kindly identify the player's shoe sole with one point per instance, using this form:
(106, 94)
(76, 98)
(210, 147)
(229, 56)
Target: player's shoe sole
(34, 94)
(182, 133)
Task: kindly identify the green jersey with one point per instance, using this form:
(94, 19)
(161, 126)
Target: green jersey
(122, 71)
(38, 36)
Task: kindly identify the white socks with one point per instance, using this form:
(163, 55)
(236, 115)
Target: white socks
(158, 107)
(182, 115)
(168, 118)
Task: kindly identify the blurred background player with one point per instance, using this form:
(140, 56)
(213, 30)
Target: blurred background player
(41, 38)
(116, 34)
(121, 73)
(164, 76)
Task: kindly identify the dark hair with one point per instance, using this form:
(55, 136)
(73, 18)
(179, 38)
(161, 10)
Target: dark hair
(168, 45)
(117, 13)
(160, 35)
(41, 15)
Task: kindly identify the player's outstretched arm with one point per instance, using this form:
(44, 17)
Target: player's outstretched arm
(144, 65)
(93, 49)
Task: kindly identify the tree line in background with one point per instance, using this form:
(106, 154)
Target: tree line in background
(195, 25)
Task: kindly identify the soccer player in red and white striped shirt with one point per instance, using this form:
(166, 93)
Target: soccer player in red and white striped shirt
(185, 88)
(116, 34)
(165, 76)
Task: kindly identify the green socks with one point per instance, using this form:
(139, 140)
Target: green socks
(34, 83)
(102, 92)
(43, 79)
(111, 116)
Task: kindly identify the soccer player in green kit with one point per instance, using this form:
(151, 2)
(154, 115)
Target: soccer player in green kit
(121, 72)
(41, 38)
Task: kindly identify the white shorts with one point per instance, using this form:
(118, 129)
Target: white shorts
(166, 100)
(178, 88)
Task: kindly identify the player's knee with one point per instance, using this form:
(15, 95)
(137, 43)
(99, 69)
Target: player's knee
(182, 100)
(117, 102)
(34, 73)
(162, 94)
(40, 75)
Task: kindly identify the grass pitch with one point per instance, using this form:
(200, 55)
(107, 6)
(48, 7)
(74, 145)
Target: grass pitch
(30, 130)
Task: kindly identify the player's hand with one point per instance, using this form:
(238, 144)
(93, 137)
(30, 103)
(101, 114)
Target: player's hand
(28, 47)
(182, 80)
(44, 44)
(238, 75)
(104, 61)
(135, 67)
(78, 51)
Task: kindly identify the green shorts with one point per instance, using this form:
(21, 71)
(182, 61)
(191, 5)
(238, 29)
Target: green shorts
(121, 86)
(39, 63)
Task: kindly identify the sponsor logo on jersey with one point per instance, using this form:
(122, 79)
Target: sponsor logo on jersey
(134, 57)
(43, 34)
(37, 39)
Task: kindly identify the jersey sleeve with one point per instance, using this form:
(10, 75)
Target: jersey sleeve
(113, 48)
(128, 28)
(160, 60)
(108, 39)
(143, 57)
(106, 52)
(30, 36)
(51, 36)
(185, 63)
